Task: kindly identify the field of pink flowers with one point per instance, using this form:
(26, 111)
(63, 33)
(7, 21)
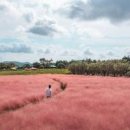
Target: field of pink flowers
(88, 103)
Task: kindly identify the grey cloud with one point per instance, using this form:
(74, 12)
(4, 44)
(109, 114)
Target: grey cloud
(40, 51)
(65, 53)
(110, 53)
(128, 53)
(15, 49)
(102, 56)
(2, 7)
(29, 17)
(47, 51)
(88, 52)
(46, 28)
(69, 52)
(114, 10)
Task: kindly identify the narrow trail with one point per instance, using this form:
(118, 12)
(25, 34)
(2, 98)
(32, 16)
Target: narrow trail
(31, 100)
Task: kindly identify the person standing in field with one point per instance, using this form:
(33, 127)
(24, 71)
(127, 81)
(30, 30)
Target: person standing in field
(48, 92)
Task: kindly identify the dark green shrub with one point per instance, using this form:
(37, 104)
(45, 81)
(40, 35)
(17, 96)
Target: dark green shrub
(63, 85)
(128, 74)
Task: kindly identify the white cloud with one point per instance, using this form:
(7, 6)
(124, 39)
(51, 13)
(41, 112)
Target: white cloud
(10, 18)
(40, 25)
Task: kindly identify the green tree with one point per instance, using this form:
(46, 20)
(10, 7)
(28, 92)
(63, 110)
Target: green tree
(61, 64)
(37, 65)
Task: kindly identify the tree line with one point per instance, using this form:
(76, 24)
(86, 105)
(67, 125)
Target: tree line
(45, 63)
(104, 68)
(42, 64)
(6, 66)
(86, 67)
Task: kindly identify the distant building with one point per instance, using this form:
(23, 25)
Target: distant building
(14, 68)
(33, 68)
(26, 68)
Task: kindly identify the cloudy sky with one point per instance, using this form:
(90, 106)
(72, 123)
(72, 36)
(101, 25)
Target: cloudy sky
(64, 29)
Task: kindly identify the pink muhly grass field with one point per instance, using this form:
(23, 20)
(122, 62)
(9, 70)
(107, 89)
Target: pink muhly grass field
(88, 103)
(17, 91)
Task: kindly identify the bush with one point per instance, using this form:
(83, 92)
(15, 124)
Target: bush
(105, 68)
(128, 74)
(63, 85)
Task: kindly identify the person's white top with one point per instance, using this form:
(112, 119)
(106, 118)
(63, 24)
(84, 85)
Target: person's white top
(48, 92)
